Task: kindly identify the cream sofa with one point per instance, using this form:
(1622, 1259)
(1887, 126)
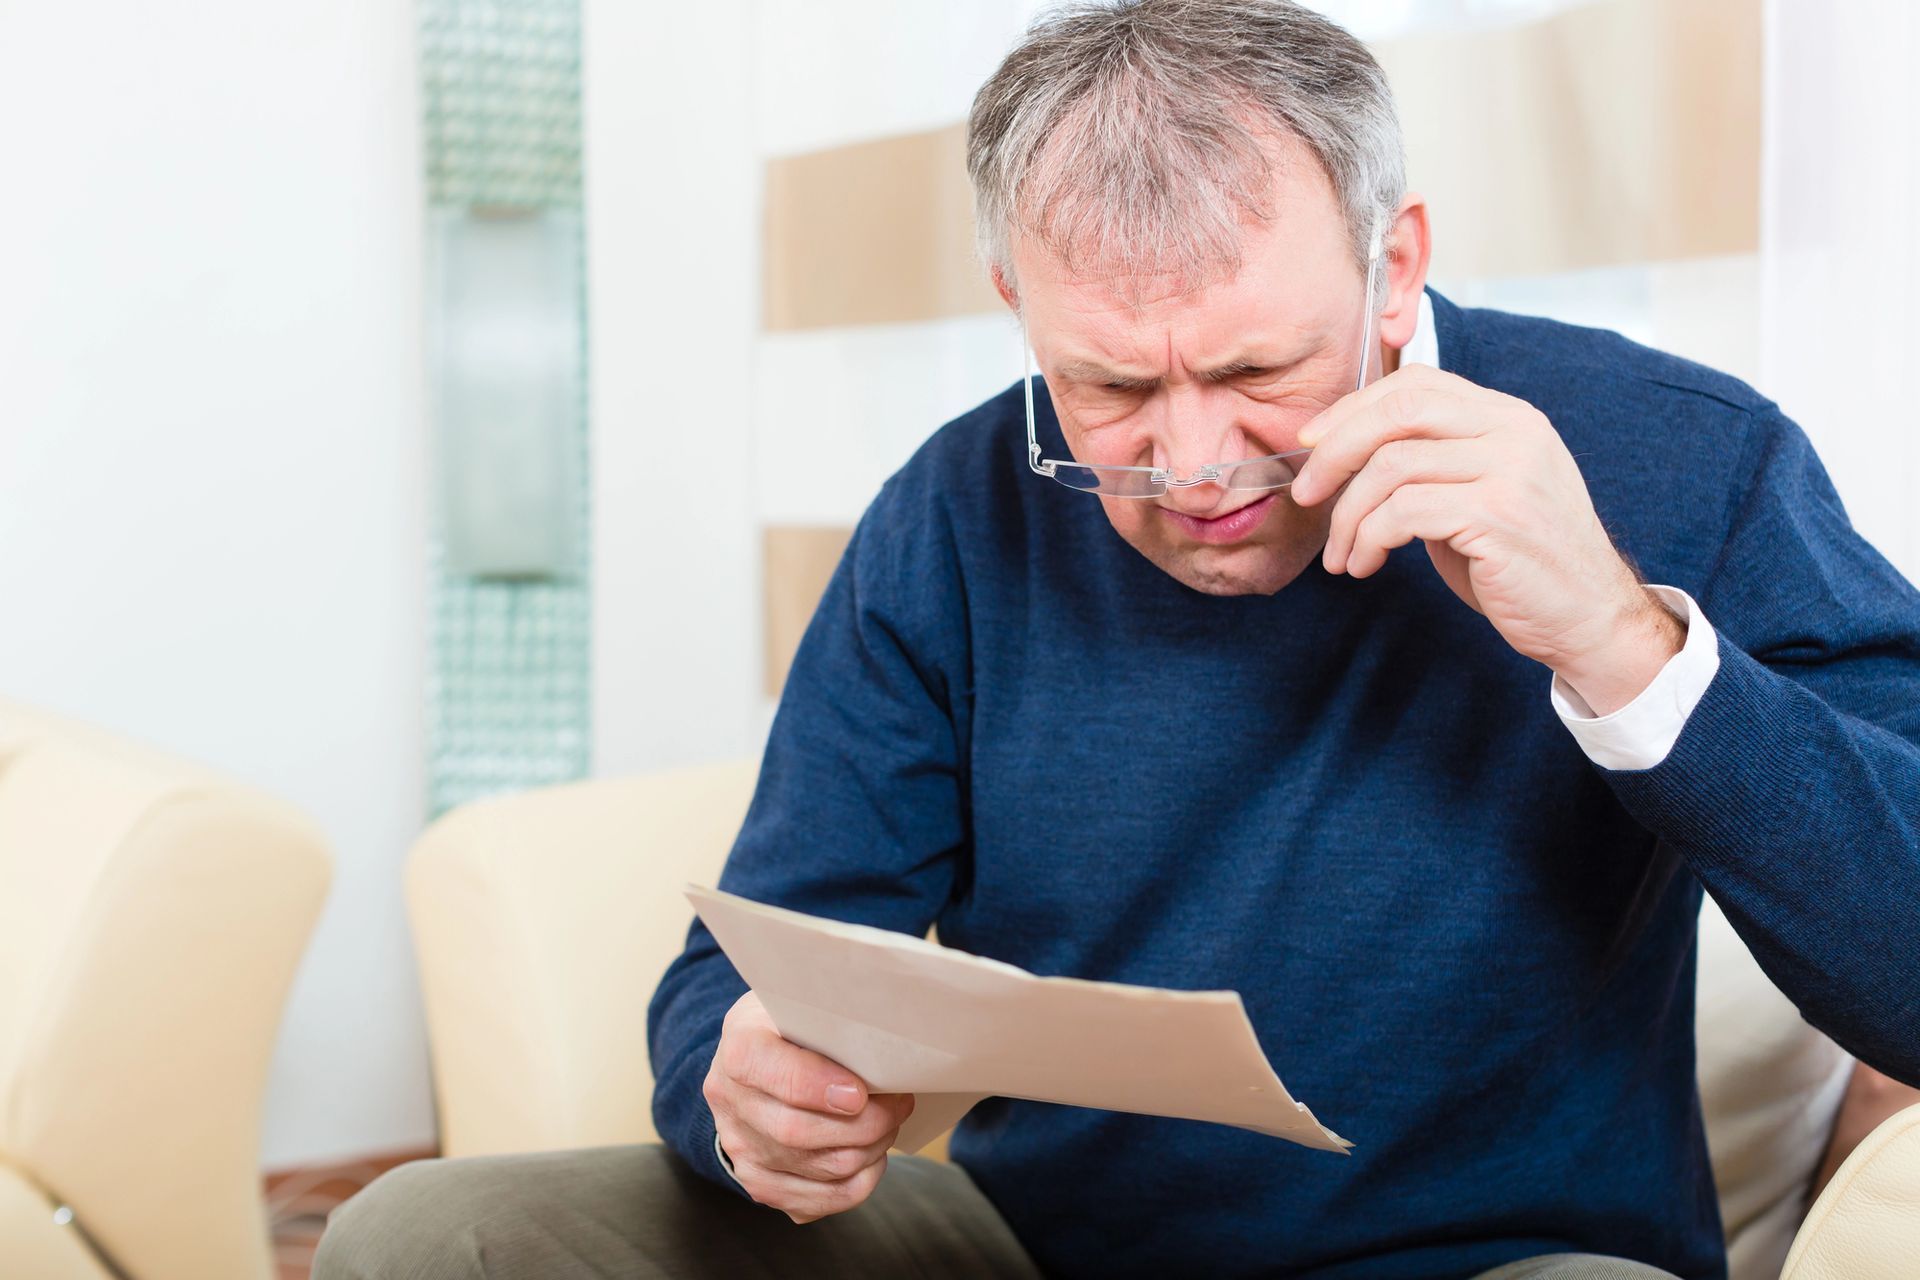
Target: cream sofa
(544, 920)
(151, 916)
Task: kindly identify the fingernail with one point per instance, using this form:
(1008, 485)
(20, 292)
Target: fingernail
(843, 1097)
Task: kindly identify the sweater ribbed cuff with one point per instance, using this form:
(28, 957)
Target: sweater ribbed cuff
(1736, 774)
(699, 1144)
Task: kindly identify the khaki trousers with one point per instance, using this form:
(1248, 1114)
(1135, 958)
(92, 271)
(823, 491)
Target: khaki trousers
(639, 1212)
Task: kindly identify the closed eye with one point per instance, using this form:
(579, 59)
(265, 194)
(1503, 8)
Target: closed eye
(1248, 372)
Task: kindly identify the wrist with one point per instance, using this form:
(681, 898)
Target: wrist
(1639, 639)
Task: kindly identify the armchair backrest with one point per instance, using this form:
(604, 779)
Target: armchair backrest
(152, 914)
(543, 922)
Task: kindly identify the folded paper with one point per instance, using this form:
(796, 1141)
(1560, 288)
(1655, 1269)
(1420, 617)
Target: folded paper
(909, 1016)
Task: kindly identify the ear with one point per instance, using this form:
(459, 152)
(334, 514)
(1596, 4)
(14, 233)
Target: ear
(1409, 249)
(1007, 295)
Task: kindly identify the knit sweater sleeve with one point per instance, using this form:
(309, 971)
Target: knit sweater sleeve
(857, 814)
(1793, 792)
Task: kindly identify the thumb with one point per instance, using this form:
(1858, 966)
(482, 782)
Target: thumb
(802, 1078)
(847, 1096)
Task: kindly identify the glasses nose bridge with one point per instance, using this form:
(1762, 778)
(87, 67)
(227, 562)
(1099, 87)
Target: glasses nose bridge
(1215, 446)
(1209, 474)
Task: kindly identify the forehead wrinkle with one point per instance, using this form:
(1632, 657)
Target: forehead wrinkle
(1265, 352)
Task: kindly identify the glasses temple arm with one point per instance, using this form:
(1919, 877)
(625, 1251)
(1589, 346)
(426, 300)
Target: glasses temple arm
(1026, 386)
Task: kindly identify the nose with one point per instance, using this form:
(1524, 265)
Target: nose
(1200, 432)
(1205, 499)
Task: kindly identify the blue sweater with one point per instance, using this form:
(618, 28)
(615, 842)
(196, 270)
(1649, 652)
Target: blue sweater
(1467, 948)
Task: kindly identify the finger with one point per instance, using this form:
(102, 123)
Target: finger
(1435, 512)
(795, 1128)
(1395, 463)
(1413, 375)
(828, 1164)
(761, 1059)
(1403, 412)
(804, 1199)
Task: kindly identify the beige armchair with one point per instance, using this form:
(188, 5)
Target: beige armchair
(544, 920)
(151, 916)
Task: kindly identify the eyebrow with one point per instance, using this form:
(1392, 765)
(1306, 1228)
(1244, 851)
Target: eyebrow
(1094, 371)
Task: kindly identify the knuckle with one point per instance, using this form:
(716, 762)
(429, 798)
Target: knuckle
(788, 1128)
(1499, 507)
(842, 1163)
(760, 1189)
(838, 1197)
(1410, 502)
(734, 1057)
(1401, 406)
(861, 1184)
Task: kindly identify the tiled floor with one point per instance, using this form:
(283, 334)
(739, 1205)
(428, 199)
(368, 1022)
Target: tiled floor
(299, 1200)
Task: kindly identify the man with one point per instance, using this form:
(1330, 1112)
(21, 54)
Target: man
(1193, 727)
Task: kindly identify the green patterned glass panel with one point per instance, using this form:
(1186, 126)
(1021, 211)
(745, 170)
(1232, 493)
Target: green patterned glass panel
(508, 697)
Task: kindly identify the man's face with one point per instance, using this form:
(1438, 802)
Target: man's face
(1153, 373)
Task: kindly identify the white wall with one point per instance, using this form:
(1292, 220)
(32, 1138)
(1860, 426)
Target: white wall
(1841, 265)
(673, 302)
(700, 434)
(212, 454)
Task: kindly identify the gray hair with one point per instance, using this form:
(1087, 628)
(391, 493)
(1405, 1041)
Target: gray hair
(1138, 134)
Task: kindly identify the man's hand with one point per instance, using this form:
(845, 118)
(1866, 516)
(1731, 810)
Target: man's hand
(1486, 482)
(804, 1134)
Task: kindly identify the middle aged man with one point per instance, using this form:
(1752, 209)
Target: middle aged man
(1443, 819)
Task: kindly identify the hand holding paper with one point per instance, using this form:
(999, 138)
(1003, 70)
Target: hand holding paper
(909, 1016)
(800, 1132)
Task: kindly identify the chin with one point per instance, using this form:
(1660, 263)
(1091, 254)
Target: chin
(1247, 570)
(1267, 560)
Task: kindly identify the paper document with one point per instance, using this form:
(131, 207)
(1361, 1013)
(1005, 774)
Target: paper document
(909, 1016)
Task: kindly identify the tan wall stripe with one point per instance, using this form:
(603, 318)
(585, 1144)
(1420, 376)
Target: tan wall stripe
(1619, 132)
(796, 562)
(1622, 132)
(873, 233)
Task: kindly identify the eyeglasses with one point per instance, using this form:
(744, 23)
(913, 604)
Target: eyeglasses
(1275, 471)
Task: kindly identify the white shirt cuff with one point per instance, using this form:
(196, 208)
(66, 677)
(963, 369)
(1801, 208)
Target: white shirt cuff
(726, 1161)
(1640, 734)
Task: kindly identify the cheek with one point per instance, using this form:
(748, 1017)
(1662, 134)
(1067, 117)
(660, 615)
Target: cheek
(1278, 425)
(1119, 440)
(1137, 522)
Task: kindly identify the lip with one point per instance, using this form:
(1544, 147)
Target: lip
(1231, 527)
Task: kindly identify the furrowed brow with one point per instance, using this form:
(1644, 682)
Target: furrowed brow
(1250, 364)
(1092, 371)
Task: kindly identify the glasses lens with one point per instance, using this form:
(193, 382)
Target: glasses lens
(1109, 482)
(1275, 471)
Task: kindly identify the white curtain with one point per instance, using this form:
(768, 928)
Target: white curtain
(1840, 250)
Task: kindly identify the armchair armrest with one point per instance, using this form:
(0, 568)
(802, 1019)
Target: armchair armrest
(1866, 1224)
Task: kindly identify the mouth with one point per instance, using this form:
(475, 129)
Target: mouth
(1231, 527)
